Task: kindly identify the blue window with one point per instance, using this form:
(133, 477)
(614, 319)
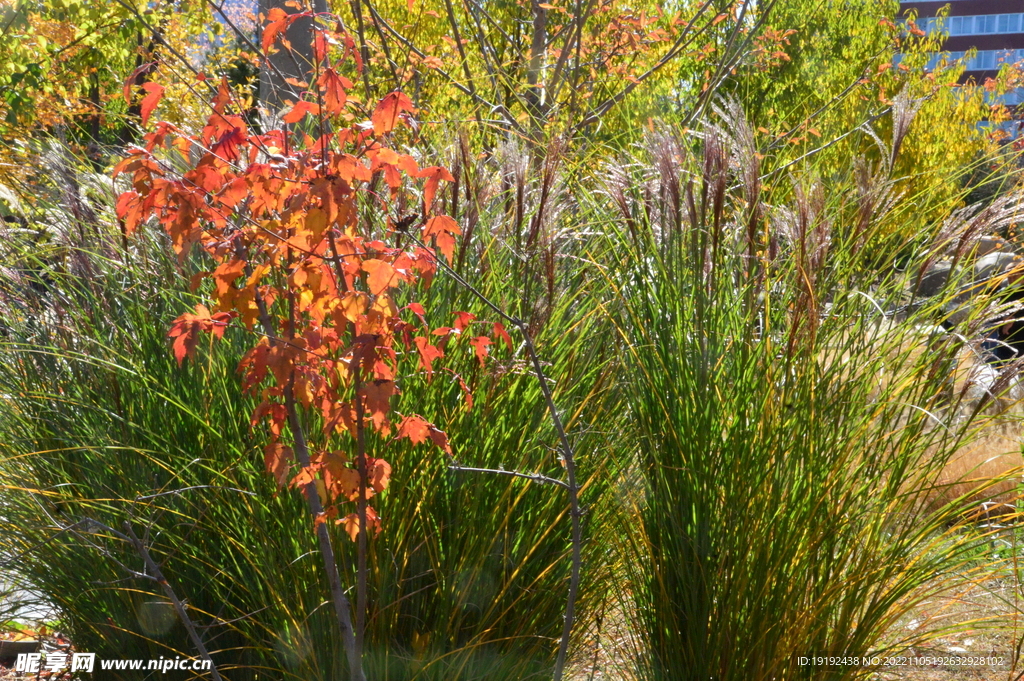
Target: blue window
(981, 24)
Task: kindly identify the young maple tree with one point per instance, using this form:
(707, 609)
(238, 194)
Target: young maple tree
(292, 221)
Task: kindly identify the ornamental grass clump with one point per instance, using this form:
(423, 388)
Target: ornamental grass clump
(789, 414)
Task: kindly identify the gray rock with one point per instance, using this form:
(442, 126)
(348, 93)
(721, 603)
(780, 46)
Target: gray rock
(934, 279)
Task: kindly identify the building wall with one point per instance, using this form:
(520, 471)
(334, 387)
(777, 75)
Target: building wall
(994, 27)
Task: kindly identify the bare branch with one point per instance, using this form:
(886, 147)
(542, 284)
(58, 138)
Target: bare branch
(169, 592)
(505, 113)
(684, 39)
(568, 458)
(535, 477)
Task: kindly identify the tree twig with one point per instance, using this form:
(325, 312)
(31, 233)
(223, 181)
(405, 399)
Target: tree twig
(509, 119)
(568, 458)
(154, 574)
(158, 575)
(535, 477)
(684, 39)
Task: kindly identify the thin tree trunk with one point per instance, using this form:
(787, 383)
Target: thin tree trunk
(538, 48)
(342, 608)
(284, 63)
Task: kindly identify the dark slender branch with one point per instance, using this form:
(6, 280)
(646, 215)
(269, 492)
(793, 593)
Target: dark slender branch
(169, 592)
(188, 489)
(457, 36)
(89, 525)
(483, 44)
(209, 85)
(572, 38)
(154, 574)
(535, 96)
(684, 39)
(535, 477)
(568, 458)
(825, 146)
(355, 367)
(821, 109)
(245, 39)
(163, 41)
(10, 22)
(509, 119)
(342, 608)
(392, 64)
(728, 63)
(597, 638)
(364, 52)
(495, 24)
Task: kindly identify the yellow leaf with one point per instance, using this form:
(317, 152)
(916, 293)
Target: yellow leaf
(316, 223)
(353, 305)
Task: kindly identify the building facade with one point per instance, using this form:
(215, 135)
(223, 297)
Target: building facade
(995, 28)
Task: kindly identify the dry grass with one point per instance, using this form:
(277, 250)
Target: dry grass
(987, 468)
(984, 619)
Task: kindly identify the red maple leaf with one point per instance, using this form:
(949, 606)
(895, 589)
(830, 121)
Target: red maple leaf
(480, 344)
(499, 331)
(443, 229)
(415, 428)
(186, 328)
(154, 91)
(385, 116)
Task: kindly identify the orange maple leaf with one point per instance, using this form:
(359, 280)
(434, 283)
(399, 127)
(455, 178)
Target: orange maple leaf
(434, 175)
(415, 428)
(385, 116)
(499, 331)
(351, 522)
(442, 228)
(440, 438)
(186, 328)
(428, 353)
(129, 209)
(381, 275)
(299, 111)
(154, 91)
(379, 474)
(480, 344)
(335, 89)
(377, 401)
(277, 21)
(276, 459)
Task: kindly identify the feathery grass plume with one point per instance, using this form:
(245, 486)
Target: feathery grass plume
(904, 110)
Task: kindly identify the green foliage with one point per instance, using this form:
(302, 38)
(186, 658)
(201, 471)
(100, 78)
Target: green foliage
(837, 90)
